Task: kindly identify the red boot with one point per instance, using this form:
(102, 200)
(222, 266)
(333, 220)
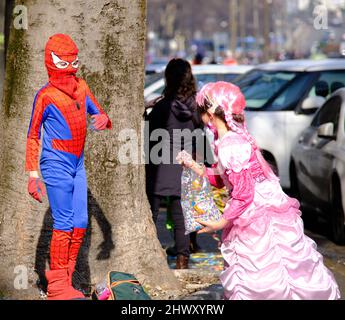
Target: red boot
(58, 282)
(59, 288)
(76, 242)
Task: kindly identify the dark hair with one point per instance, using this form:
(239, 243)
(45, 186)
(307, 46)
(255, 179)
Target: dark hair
(219, 112)
(179, 80)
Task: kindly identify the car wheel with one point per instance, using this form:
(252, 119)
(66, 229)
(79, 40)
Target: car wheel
(337, 214)
(294, 189)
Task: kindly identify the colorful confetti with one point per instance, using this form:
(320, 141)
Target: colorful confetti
(210, 261)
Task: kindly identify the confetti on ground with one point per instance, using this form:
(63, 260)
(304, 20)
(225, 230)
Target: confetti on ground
(210, 261)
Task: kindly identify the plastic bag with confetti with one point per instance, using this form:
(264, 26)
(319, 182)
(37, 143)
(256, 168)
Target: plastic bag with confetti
(197, 200)
(220, 197)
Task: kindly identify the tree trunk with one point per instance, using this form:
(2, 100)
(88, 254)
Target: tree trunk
(121, 235)
(8, 8)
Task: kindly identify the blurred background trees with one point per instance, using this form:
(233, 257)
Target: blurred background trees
(251, 30)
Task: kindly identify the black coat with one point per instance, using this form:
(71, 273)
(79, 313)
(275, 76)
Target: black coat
(165, 179)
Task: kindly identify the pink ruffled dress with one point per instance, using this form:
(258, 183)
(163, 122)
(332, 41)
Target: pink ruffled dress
(266, 254)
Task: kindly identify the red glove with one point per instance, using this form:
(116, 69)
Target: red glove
(35, 189)
(100, 122)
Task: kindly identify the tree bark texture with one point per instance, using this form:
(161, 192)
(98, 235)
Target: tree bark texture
(121, 236)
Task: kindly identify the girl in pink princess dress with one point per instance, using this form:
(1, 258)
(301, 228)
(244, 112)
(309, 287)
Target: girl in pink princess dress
(266, 253)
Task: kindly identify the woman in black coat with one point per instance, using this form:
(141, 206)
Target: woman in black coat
(176, 110)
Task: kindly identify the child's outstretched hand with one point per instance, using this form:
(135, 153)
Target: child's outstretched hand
(100, 122)
(185, 159)
(212, 226)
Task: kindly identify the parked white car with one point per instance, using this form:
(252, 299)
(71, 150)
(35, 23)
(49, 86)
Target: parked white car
(204, 74)
(318, 164)
(282, 98)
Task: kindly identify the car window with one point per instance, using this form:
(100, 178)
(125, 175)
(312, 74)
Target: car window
(328, 113)
(327, 83)
(230, 77)
(259, 86)
(202, 79)
(292, 94)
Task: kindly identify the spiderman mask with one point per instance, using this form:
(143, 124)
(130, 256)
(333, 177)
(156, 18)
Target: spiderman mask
(61, 60)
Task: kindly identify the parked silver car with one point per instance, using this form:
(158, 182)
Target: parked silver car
(317, 168)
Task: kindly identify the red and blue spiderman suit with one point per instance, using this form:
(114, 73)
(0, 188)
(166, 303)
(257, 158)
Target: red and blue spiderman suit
(61, 108)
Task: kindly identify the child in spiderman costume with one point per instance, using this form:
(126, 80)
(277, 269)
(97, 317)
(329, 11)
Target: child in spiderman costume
(61, 106)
